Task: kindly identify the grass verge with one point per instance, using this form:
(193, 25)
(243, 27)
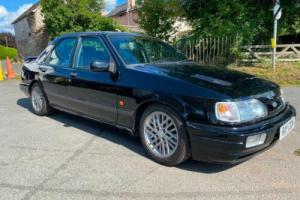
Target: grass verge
(297, 152)
(286, 74)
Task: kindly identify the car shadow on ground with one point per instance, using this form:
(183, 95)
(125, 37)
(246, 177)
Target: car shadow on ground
(120, 137)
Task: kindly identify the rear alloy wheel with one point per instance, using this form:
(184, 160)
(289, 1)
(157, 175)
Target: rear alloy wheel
(163, 136)
(39, 101)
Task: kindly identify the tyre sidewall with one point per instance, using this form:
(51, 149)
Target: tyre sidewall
(43, 111)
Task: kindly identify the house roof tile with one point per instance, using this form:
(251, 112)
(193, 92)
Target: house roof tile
(27, 12)
(118, 10)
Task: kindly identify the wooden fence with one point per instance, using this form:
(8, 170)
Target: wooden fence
(285, 53)
(217, 51)
(208, 51)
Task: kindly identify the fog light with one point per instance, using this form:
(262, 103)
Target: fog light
(255, 140)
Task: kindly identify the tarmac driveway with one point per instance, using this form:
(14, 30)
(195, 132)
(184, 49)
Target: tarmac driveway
(67, 157)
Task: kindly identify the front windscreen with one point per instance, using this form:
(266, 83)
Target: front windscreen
(142, 50)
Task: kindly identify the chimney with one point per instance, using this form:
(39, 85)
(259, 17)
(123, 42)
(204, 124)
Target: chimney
(131, 4)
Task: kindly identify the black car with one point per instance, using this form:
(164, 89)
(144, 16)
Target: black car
(178, 108)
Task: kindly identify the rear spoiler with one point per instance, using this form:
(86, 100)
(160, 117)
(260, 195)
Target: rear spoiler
(30, 59)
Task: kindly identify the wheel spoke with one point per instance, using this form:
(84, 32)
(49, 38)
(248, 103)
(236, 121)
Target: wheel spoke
(158, 144)
(170, 135)
(165, 121)
(163, 147)
(169, 125)
(37, 99)
(155, 123)
(172, 130)
(150, 129)
(154, 140)
(167, 145)
(171, 142)
(152, 135)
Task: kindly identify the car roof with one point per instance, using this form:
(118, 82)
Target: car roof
(76, 34)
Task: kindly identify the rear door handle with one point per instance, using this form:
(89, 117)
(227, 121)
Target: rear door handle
(73, 74)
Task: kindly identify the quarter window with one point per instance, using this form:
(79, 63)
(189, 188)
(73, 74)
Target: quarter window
(91, 49)
(62, 53)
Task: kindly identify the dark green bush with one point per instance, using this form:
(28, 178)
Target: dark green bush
(6, 51)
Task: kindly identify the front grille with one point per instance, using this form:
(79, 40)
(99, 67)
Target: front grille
(274, 105)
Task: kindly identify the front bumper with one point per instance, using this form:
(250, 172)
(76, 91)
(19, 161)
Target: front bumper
(24, 87)
(219, 144)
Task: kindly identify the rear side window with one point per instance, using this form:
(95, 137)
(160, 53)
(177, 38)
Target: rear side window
(61, 54)
(91, 49)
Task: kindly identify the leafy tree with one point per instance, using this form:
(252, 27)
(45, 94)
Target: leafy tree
(157, 17)
(7, 38)
(65, 16)
(290, 22)
(218, 18)
(251, 20)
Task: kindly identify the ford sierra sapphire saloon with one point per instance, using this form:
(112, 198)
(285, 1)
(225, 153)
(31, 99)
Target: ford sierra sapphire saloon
(178, 109)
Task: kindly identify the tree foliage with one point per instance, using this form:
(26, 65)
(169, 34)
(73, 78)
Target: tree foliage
(290, 23)
(251, 21)
(7, 38)
(157, 17)
(65, 16)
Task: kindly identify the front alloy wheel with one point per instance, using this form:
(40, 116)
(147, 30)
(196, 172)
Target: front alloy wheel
(37, 99)
(163, 135)
(39, 102)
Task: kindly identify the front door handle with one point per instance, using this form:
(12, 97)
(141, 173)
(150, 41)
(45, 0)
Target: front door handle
(73, 74)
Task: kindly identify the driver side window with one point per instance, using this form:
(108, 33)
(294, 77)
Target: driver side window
(61, 54)
(91, 49)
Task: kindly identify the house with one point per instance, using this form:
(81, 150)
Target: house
(126, 15)
(30, 34)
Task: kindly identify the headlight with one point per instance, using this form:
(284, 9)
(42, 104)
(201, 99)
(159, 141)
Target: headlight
(241, 111)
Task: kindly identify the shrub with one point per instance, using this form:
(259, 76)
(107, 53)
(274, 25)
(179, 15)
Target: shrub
(6, 51)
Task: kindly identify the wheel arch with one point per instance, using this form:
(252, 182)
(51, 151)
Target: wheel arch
(173, 103)
(38, 81)
(32, 83)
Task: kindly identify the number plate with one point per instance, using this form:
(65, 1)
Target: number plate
(287, 128)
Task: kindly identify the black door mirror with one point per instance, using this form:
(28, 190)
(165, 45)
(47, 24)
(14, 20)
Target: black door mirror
(99, 66)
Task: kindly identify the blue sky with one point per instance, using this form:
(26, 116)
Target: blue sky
(11, 9)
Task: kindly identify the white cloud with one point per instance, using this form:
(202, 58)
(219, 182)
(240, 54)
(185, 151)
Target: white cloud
(3, 11)
(109, 5)
(7, 17)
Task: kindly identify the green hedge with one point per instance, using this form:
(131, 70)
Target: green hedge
(6, 51)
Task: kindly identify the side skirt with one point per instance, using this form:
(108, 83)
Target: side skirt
(63, 109)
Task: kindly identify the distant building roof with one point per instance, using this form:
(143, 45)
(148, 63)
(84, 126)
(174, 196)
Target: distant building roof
(27, 12)
(118, 10)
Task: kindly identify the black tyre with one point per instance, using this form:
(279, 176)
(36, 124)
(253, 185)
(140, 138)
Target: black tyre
(163, 135)
(39, 102)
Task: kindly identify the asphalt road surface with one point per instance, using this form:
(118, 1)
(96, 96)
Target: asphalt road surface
(67, 157)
